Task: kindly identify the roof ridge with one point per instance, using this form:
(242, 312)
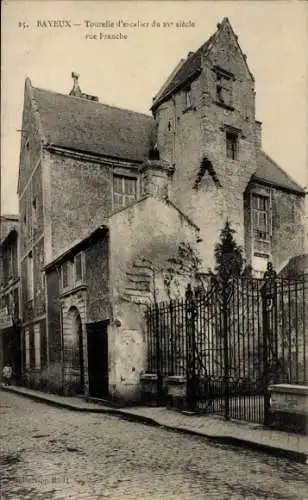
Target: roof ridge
(10, 216)
(282, 170)
(96, 103)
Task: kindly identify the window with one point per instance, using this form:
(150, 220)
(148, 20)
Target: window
(79, 268)
(260, 205)
(41, 265)
(124, 191)
(34, 213)
(30, 287)
(65, 274)
(9, 257)
(223, 89)
(37, 346)
(27, 348)
(232, 145)
(187, 97)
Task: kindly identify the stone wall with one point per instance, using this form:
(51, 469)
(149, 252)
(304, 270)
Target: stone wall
(97, 279)
(73, 186)
(289, 408)
(200, 132)
(288, 219)
(188, 135)
(149, 229)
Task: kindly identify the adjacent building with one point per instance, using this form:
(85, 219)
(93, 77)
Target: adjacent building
(10, 343)
(103, 191)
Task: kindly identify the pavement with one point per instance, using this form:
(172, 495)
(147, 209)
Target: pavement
(50, 453)
(215, 428)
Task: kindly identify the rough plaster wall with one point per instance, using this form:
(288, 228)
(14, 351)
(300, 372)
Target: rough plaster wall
(28, 156)
(75, 187)
(54, 338)
(31, 239)
(288, 226)
(126, 362)
(149, 229)
(97, 279)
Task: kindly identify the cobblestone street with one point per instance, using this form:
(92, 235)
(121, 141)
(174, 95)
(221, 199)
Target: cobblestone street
(51, 453)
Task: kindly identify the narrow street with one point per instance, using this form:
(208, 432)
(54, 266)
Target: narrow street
(50, 453)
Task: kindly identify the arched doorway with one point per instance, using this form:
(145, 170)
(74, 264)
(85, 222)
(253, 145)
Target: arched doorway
(75, 352)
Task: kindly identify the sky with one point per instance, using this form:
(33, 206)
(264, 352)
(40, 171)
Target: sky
(129, 72)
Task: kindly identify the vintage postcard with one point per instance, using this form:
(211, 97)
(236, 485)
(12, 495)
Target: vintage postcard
(154, 250)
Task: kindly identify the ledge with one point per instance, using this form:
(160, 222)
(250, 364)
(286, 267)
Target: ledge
(289, 389)
(74, 290)
(148, 376)
(222, 105)
(176, 379)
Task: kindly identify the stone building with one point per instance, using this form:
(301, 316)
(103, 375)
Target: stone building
(102, 188)
(207, 129)
(10, 345)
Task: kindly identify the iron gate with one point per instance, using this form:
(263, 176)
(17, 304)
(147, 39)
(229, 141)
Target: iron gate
(231, 343)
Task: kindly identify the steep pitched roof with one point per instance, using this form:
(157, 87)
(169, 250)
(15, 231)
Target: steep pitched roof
(77, 245)
(191, 67)
(92, 127)
(186, 72)
(269, 172)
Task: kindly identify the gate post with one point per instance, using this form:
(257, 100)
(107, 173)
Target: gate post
(190, 349)
(158, 357)
(225, 297)
(268, 294)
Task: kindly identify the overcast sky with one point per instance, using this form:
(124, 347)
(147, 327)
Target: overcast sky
(128, 73)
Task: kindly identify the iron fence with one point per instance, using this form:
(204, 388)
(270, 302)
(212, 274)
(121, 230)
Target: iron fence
(231, 343)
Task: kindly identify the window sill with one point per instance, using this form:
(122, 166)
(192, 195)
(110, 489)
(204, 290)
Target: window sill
(190, 108)
(232, 159)
(262, 240)
(225, 106)
(74, 289)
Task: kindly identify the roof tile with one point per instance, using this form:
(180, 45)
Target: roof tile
(92, 127)
(269, 172)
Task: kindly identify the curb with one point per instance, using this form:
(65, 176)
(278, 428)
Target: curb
(133, 417)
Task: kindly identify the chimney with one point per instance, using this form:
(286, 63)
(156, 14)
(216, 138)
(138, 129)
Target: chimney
(76, 90)
(155, 179)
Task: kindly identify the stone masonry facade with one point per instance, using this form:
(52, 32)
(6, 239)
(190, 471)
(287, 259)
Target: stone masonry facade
(180, 174)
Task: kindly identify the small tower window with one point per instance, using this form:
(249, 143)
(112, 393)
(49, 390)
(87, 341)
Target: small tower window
(187, 98)
(232, 145)
(223, 88)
